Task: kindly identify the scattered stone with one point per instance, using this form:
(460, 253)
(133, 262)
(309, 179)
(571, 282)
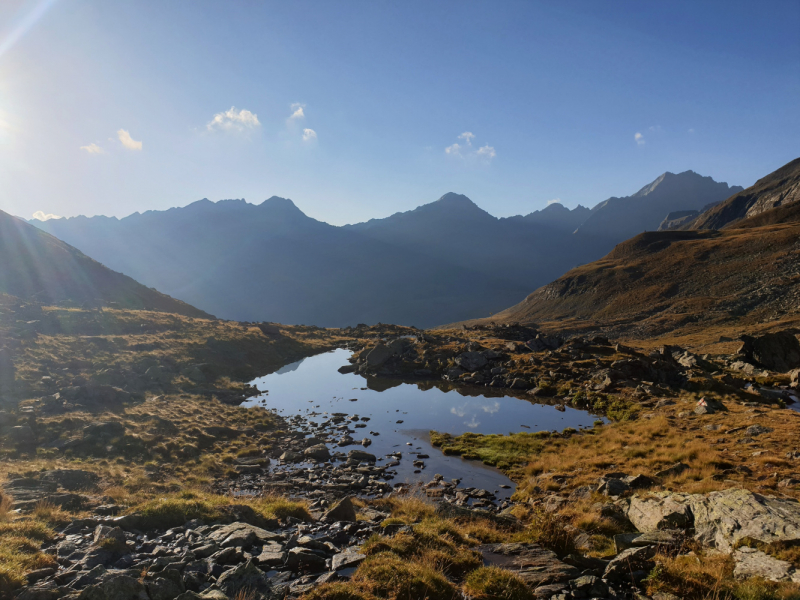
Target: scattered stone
(341, 511)
(754, 563)
(672, 471)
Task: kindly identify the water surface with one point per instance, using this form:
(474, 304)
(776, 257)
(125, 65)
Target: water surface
(403, 413)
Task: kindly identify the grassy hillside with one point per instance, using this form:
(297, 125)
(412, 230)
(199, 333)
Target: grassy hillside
(660, 282)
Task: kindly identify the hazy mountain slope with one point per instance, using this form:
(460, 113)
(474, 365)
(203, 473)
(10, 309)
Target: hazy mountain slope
(36, 266)
(617, 219)
(558, 217)
(779, 188)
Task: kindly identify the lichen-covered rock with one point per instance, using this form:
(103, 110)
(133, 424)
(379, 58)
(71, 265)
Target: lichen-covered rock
(341, 511)
(660, 510)
(723, 518)
(754, 563)
(115, 587)
(471, 361)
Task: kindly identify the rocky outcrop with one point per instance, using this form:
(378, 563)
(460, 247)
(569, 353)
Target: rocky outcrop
(719, 519)
(775, 351)
(723, 518)
(535, 565)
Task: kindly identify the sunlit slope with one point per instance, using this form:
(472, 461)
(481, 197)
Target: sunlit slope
(37, 266)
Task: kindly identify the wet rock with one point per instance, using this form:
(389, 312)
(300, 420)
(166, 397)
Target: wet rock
(754, 563)
(290, 456)
(361, 456)
(537, 566)
(659, 510)
(723, 518)
(341, 511)
(318, 452)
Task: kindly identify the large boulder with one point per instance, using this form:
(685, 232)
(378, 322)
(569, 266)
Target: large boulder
(317, 452)
(723, 518)
(378, 355)
(660, 510)
(775, 351)
(471, 361)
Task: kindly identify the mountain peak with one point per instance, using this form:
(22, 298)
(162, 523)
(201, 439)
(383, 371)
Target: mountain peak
(453, 199)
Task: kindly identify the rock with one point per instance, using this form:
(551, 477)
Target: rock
(302, 559)
(623, 541)
(471, 361)
(72, 479)
(660, 510)
(723, 518)
(243, 535)
(347, 559)
(536, 566)
(755, 430)
(633, 563)
(672, 471)
(361, 456)
(291, 456)
(378, 355)
(165, 586)
(111, 539)
(612, 487)
(795, 378)
(115, 587)
(318, 452)
(271, 558)
(754, 563)
(246, 578)
(775, 351)
(341, 511)
(588, 586)
(638, 482)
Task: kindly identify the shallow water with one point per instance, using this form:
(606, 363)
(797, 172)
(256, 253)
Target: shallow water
(403, 414)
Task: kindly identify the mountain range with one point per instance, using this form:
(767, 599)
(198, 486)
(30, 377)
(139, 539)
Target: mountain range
(739, 263)
(441, 262)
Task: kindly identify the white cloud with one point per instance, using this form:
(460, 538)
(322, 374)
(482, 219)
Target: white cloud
(455, 150)
(233, 120)
(486, 152)
(465, 151)
(554, 201)
(309, 134)
(473, 423)
(467, 136)
(95, 149)
(297, 111)
(459, 412)
(639, 138)
(40, 215)
(128, 141)
(491, 409)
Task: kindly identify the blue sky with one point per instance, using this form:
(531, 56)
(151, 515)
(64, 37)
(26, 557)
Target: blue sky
(110, 107)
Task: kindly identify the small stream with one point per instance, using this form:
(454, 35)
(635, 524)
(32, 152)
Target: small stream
(401, 414)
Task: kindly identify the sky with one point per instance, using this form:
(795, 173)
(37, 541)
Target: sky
(357, 110)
